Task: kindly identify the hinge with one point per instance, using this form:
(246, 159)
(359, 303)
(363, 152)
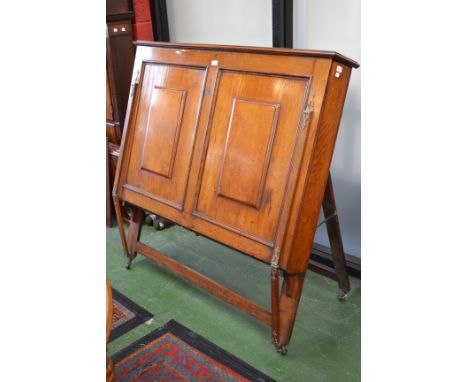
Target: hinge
(275, 263)
(275, 258)
(135, 82)
(308, 111)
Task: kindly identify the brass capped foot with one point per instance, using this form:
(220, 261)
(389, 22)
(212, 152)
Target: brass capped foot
(282, 350)
(343, 295)
(129, 264)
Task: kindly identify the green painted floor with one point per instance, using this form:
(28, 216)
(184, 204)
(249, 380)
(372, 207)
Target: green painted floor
(325, 344)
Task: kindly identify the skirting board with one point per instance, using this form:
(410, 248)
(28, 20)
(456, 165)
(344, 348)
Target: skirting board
(321, 261)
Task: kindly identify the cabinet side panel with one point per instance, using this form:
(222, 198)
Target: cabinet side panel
(319, 168)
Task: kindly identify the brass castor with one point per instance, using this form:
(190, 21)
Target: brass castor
(342, 295)
(282, 350)
(161, 223)
(149, 219)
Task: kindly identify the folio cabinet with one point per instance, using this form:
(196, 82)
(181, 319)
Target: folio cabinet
(234, 143)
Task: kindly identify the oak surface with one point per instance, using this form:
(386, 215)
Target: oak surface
(234, 143)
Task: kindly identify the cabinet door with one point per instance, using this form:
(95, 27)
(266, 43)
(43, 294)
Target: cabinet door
(254, 127)
(164, 131)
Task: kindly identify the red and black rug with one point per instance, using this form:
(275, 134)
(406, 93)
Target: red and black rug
(174, 353)
(126, 315)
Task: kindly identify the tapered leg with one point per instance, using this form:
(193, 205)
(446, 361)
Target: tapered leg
(120, 223)
(334, 235)
(275, 309)
(134, 231)
(284, 308)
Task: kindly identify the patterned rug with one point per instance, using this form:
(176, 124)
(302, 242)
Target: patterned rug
(126, 315)
(174, 353)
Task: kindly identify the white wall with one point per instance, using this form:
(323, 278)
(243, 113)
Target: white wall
(318, 24)
(336, 25)
(239, 22)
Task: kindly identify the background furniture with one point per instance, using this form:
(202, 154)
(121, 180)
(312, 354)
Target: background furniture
(125, 22)
(119, 57)
(120, 54)
(234, 143)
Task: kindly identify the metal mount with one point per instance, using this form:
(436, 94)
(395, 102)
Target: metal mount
(283, 350)
(129, 264)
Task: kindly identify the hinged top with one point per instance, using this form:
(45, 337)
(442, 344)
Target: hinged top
(253, 49)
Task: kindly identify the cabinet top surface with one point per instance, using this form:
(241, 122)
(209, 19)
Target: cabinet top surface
(251, 49)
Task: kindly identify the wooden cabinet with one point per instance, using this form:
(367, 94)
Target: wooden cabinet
(234, 143)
